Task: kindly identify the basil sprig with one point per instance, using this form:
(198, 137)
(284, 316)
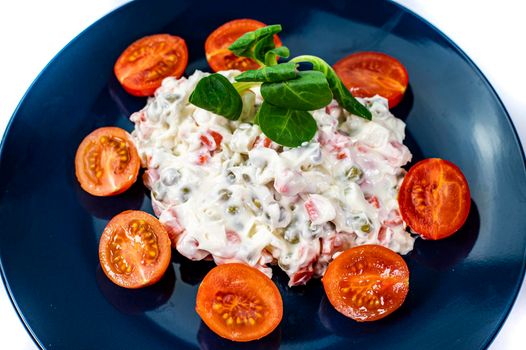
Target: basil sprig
(217, 95)
(288, 127)
(340, 92)
(270, 74)
(257, 43)
(288, 94)
(309, 91)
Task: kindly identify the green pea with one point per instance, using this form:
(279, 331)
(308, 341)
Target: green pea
(293, 240)
(232, 210)
(186, 193)
(225, 195)
(366, 228)
(257, 203)
(231, 178)
(279, 232)
(354, 173)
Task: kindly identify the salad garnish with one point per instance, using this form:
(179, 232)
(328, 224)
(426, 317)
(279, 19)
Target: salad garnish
(289, 94)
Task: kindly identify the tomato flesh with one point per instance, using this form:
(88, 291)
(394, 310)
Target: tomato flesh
(134, 249)
(434, 198)
(216, 45)
(367, 283)
(144, 64)
(238, 302)
(107, 162)
(367, 74)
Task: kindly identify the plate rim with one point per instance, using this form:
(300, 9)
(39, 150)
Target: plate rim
(522, 274)
(406, 10)
(7, 130)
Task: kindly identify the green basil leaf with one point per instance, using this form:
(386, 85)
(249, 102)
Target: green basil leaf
(279, 72)
(341, 93)
(262, 46)
(308, 92)
(217, 95)
(288, 127)
(244, 44)
(271, 56)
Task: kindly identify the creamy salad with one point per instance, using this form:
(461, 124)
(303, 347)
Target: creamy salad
(225, 191)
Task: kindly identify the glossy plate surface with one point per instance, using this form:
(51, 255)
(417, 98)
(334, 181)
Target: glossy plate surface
(461, 288)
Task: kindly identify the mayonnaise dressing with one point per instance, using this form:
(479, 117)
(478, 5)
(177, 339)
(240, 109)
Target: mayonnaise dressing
(227, 192)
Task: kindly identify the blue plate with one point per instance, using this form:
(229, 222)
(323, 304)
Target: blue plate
(462, 288)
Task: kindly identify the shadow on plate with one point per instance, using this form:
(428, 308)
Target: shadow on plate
(402, 110)
(108, 207)
(441, 255)
(192, 272)
(208, 340)
(122, 102)
(300, 304)
(137, 301)
(338, 324)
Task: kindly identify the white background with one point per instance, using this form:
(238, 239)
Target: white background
(490, 32)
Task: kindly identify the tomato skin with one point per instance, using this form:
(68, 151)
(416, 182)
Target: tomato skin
(134, 249)
(107, 162)
(434, 198)
(239, 302)
(369, 73)
(216, 45)
(144, 64)
(367, 283)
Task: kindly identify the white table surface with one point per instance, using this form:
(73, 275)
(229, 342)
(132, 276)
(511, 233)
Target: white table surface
(490, 32)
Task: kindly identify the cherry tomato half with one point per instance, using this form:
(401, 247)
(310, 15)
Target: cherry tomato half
(134, 249)
(217, 43)
(107, 162)
(434, 198)
(144, 64)
(367, 283)
(239, 302)
(367, 74)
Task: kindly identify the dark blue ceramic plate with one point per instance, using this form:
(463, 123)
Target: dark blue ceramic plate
(462, 288)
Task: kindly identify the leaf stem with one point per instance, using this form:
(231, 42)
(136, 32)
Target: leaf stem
(243, 86)
(340, 92)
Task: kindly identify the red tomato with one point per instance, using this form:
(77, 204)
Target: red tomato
(206, 140)
(434, 198)
(217, 137)
(144, 64)
(134, 249)
(239, 302)
(367, 283)
(107, 162)
(217, 43)
(367, 74)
